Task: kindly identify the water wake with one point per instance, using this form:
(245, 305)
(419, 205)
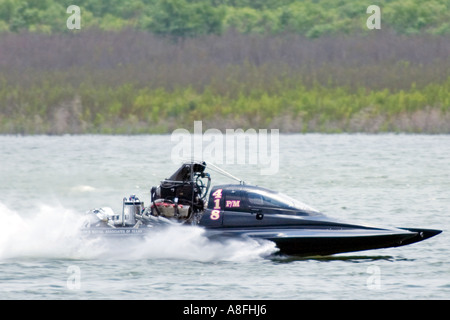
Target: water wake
(53, 232)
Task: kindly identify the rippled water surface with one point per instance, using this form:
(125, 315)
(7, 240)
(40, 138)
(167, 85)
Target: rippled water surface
(47, 183)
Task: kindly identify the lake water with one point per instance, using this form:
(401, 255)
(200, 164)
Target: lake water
(47, 183)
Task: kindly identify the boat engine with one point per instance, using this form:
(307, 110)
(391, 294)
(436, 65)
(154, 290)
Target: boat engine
(182, 196)
(131, 207)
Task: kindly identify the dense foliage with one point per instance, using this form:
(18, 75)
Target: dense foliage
(311, 18)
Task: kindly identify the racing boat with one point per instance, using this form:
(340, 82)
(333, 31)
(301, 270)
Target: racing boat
(242, 210)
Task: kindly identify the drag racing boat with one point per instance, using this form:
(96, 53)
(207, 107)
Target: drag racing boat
(241, 210)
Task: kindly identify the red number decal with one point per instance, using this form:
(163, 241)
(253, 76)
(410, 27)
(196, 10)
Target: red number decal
(215, 214)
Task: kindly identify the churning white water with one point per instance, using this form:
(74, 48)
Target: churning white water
(54, 232)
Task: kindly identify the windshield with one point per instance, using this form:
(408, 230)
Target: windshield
(276, 199)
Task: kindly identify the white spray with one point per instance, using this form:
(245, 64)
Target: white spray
(53, 232)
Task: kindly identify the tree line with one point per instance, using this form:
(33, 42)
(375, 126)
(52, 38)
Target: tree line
(189, 18)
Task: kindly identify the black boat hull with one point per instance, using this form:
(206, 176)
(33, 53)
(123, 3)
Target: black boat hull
(301, 242)
(328, 242)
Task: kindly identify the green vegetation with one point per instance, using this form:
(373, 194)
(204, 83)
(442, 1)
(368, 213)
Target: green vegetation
(312, 18)
(129, 110)
(151, 66)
